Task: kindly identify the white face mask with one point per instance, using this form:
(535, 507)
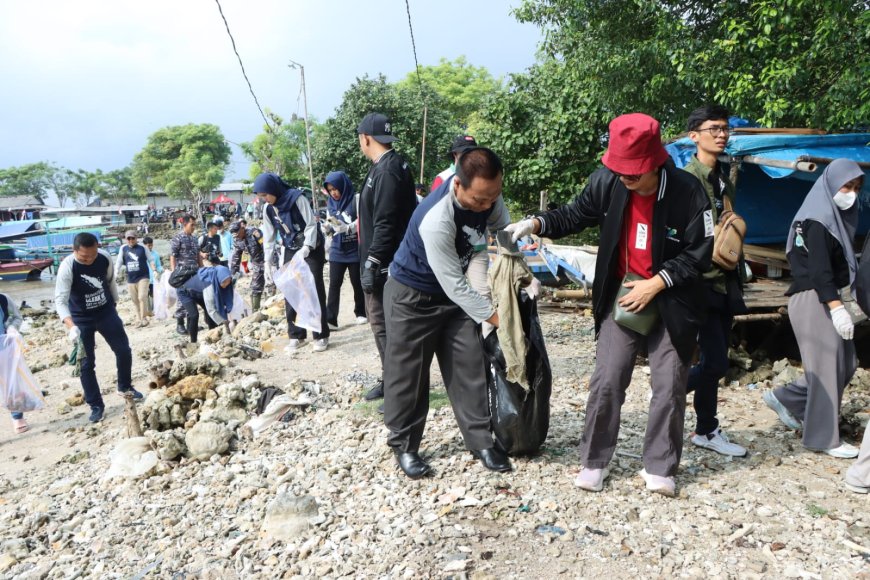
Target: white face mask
(845, 199)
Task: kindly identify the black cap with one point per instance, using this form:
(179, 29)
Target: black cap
(378, 127)
(235, 227)
(463, 142)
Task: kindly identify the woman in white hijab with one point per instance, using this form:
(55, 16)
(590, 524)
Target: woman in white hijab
(822, 260)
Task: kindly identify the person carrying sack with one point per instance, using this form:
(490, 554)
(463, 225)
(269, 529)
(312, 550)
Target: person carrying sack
(656, 224)
(9, 324)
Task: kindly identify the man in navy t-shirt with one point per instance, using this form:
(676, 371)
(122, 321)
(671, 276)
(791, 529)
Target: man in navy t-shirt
(85, 296)
(135, 258)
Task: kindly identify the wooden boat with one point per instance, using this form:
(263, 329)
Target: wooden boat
(13, 268)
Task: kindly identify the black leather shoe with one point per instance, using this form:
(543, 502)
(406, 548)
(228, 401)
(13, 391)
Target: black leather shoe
(180, 329)
(412, 464)
(493, 459)
(377, 392)
(381, 408)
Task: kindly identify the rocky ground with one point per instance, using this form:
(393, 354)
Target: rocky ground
(320, 495)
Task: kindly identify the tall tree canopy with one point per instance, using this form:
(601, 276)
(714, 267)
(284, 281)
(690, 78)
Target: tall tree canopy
(793, 63)
(337, 147)
(281, 149)
(35, 179)
(186, 161)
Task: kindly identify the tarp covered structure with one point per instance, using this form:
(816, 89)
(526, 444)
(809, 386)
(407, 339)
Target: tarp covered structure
(11, 230)
(767, 196)
(223, 199)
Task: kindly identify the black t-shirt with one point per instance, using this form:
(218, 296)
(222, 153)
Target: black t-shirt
(817, 262)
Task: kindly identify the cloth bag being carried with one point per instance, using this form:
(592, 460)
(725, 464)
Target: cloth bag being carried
(641, 322)
(296, 283)
(19, 391)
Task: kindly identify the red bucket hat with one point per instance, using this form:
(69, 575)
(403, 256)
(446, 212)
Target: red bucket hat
(635, 145)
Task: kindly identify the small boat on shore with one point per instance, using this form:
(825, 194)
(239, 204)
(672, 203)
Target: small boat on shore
(14, 268)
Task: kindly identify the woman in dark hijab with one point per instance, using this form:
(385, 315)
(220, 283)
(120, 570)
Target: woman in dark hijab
(822, 260)
(294, 229)
(344, 251)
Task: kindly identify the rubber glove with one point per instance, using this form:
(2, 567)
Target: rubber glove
(520, 229)
(533, 289)
(843, 322)
(304, 250)
(74, 334)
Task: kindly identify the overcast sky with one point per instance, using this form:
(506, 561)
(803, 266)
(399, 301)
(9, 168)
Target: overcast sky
(85, 82)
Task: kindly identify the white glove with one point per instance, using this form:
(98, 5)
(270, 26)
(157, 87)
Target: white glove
(843, 322)
(304, 251)
(520, 229)
(533, 289)
(13, 332)
(340, 229)
(74, 334)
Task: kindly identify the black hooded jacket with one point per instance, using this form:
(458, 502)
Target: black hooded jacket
(682, 246)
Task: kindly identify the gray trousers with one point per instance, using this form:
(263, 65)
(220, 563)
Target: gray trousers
(420, 325)
(375, 314)
(829, 363)
(859, 472)
(615, 358)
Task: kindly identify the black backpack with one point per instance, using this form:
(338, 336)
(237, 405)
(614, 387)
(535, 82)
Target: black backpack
(182, 274)
(862, 279)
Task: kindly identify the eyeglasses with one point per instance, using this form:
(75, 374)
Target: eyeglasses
(715, 131)
(630, 178)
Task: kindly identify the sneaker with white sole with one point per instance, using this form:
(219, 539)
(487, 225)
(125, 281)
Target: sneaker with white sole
(362, 320)
(591, 479)
(295, 343)
(718, 442)
(320, 345)
(844, 451)
(857, 488)
(784, 414)
(659, 484)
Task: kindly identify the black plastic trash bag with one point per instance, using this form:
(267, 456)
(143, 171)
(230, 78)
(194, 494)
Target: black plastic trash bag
(520, 418)
(862, 280)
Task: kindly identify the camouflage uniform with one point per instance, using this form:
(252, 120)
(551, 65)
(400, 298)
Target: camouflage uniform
(253, 244)
(185, 249)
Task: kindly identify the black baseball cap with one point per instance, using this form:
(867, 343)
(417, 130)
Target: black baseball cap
(378, 127)
(461, 143)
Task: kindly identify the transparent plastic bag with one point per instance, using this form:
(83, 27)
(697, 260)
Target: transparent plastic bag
(131, 458)
(19, 390)
(164, 297)
(240, 308)
(296, 283)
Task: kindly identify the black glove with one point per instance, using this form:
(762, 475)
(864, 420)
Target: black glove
(371, 277)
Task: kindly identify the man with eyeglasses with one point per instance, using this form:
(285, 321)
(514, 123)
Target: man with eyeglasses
(708, 128)
(657, 227)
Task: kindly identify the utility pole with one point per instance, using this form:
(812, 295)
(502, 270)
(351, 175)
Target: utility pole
(294, 64)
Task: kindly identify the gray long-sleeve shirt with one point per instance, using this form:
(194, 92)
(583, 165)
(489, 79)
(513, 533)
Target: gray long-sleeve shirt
(14, 319)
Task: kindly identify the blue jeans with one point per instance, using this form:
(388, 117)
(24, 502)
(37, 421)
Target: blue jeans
(109, 325)
(713, 339)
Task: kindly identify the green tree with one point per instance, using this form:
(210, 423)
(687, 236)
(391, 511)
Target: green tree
(463, 88)
(281, 149)
(186, 161)
(792, 63)
(88, 186)
(337, 147)
(32, 179)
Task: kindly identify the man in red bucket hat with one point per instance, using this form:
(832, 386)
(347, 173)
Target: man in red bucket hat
(656, 239)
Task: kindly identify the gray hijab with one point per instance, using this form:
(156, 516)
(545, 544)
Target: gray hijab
(819, 206)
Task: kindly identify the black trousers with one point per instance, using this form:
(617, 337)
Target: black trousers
(190, 299)
(704, 377)
(315, 260)
(336, 279)
(420, 326)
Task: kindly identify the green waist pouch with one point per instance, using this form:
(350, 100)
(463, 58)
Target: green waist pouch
(641, 322)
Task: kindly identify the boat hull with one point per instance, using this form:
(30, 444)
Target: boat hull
(25, 270)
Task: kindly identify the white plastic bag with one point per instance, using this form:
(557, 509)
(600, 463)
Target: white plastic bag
(131, 458)
(240, 308)
(164, 297)
(19, 391)
(296, 283)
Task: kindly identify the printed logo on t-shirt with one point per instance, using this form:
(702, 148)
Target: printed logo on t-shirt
(641, 236)
(132, 262)
(708, 223)
(95, 299)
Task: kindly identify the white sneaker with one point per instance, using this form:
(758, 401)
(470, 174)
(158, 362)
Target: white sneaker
(718, 442)
(362, 320)
(591, 479)
(295, 343)
(332, 326)
(320, 345)
(785, 415)
(857, 488)
(844, 451)
(659, 484)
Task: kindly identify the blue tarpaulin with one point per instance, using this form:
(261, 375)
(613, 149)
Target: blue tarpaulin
(769, 197)
(11, 230)
(61, 239)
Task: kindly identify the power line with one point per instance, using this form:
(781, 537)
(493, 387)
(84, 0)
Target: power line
(244, 74)
(414, 48)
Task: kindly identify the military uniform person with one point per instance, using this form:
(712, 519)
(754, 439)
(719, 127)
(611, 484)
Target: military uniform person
(249, 240)
(184, 251)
